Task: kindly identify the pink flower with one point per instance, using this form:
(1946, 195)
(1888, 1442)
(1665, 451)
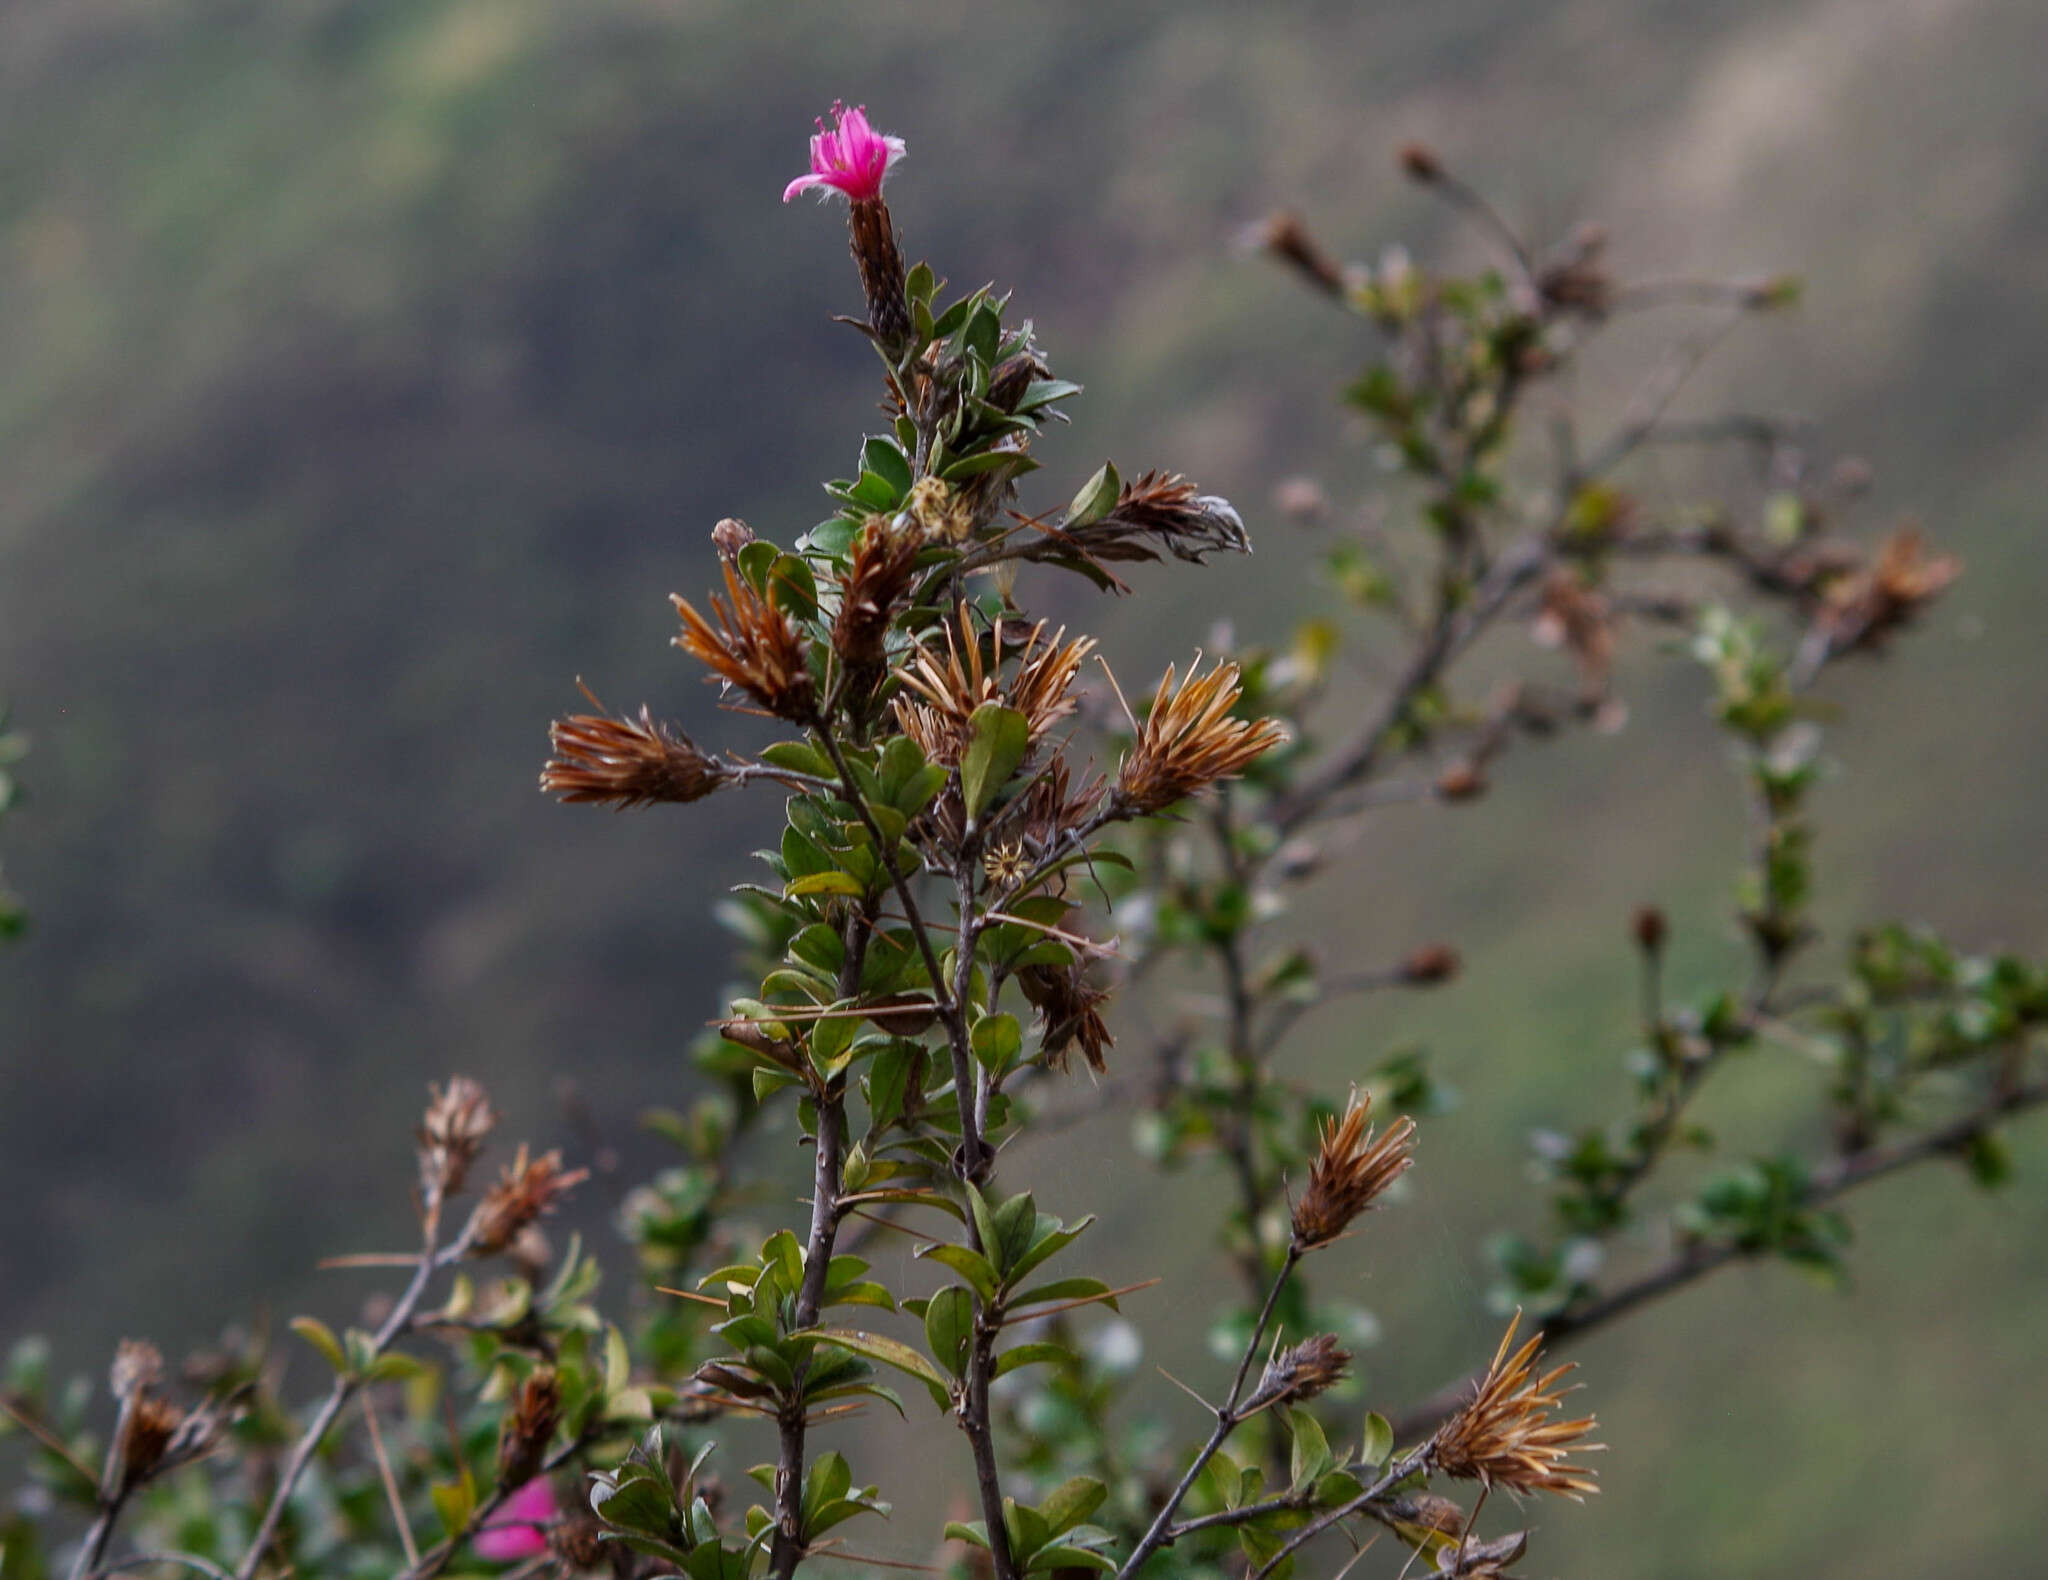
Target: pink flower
(518, 1529)
(852, 158)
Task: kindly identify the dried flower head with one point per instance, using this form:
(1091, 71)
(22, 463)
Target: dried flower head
(1650, 929)
(1505, 1435)
(753, 646)
(1577, 282)
(624, 763)
(1006, 863)
(1164, 510)
(148, 1425)
(529, 1426)
(877, 577)
(951, 686)
(943, 514)
(1579, 620)
(1069, 1006)
(526, 1191)
(137, 1365)
(1302, 1371)
(1351, 1171)
(1189, 740)
(1863, 609)
(452, 1131)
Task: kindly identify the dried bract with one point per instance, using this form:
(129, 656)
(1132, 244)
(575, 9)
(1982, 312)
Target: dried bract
(1351, 1171)
(1189, 740)
(884, 562)
(949, 688)
(1069, 1009)
(529, 1427)
(1301, 1371)
(1163, 510)
(753, 646)
(1865, 608)
(526, 1191)
(1506, 1434)
(624, 763)
(451, 1133)
(147, 1427)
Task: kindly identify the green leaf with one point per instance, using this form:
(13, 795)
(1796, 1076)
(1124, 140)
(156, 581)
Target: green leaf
(1098, 496)
(1015, 1224)
(877, 1347)
(997, 1039)
(888, 1080)
(800, 757)
(968, 1263)
(1057, 1557)
(455, 1502)
(1001, 736)
(881, 457)
(833, 882)
(1071, 1502)
(321, 1337)
(1312, 1454)
(1378, 1441)
(949, 1327)
(1048, 1239)
(1039, 1354)
(1062, 1290)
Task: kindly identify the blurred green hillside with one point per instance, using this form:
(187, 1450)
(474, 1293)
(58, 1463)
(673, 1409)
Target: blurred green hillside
(369, 371)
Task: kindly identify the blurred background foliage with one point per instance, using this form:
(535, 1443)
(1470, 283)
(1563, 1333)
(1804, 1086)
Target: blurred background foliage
(369, 371)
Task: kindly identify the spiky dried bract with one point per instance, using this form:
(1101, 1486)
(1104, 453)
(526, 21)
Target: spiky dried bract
(1302, 1371)
(948, 688)
(1863, 609)
(1506, 1435)
(1069, 1006)
(147, 1427)
(525, 1192)
(1189, 740)
(451, 1133)
(622, 763)
(877, 577)
(529, 1426)
(1162, 510)
(753, 646)
(1352, 1170)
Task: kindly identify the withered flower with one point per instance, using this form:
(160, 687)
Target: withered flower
(625, 763)
(1286, 237)
(1351, 1171)
(1189, 740)
(526, 1191)
(1505, 1435)
(879, 574)
(1301, 1371)
(754, 646)
(1863, 609)
(529, 1426)
(1578, 619)
(137, 1365)
(952, 686)
(1164, 510)
(147, 1428)
(1006, 863)
(1430, 965)
(1069, 1009)
(1578, 282)
(451, 1133)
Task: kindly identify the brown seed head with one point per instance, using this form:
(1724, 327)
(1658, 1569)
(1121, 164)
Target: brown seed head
(458, 1118)
(883, 564)
(1429, 965)
(1302, 1371)
(1650, 929)
(526, 1191)
(528, 1427)
(625, 763)
(1506, 1435)
(1461, 781)
(1189, 740)
(1351, 1171)
(753, 646)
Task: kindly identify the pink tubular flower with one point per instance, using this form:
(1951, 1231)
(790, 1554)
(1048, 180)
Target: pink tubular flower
(519, 1528)
(852, 158)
